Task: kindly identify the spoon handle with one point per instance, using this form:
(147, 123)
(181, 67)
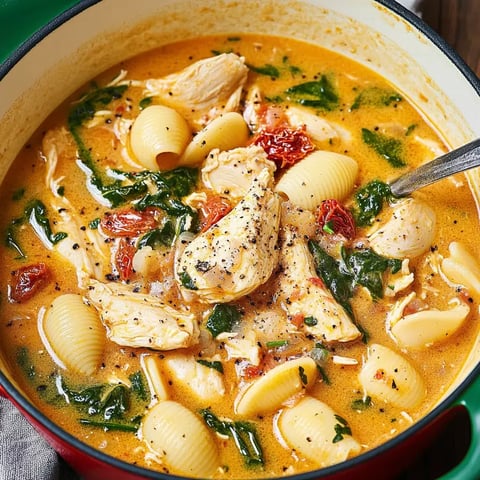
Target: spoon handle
(458, 160)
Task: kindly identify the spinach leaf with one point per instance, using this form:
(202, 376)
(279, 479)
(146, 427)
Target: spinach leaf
(268, 69)
(216, 365)
(243, 434)
(139, 385)
(187, 281)
(36, 213)
(319, 94)
(222, 319)
(328, 269)
(106, 404)
(107, 426)
(145, 102)
(88, 105)
(25, 362)
(370, 199)
(375, 96)
(367, 268)
(159, 236)
(391, 149)
(276, 343)
(12, 242)
(341, 428)
(356, 267)
(362, 404)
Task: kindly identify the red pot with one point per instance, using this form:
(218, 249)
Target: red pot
(97, 35)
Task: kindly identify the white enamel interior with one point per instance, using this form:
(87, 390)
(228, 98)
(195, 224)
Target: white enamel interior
(112, 30)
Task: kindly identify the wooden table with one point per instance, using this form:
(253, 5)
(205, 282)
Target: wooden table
(458, 22)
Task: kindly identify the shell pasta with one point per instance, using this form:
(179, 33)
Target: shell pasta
(217, 281)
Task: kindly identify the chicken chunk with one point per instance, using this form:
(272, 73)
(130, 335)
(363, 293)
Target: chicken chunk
(84, 249)
(203, 382)
(142, 320)
(231, 172)
(238, 253)
(203, 90)
(302, 292)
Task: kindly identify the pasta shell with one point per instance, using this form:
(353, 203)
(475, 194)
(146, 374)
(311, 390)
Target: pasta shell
(426, 327)
(276, 386)
(319, 176)
(310, 428)
(75, 333)
(390, 377)
(158, 137)
(462, 267)
(152, 368)
(181, 439)
(409, 232)
(224, 132)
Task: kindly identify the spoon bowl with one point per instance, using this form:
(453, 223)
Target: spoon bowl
(458, 160)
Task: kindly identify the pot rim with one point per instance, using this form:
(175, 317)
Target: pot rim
(20, 401)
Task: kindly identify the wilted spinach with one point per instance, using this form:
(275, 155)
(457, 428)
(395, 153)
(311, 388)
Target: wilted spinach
(243, 434)
(390, 148)
(222, 319)
(318, 94)
(370, 199)
(375, 96)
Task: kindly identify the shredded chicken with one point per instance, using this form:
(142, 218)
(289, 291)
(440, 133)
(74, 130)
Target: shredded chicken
(238, 253)
(300, 295)
(203, 90)
(231, 172)
(84, 248)
(142, 320)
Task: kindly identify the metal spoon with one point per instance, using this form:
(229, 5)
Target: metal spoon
(456, 161)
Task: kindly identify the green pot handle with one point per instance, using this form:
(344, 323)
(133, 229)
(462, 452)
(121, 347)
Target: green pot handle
(469, 467)
(20, 19)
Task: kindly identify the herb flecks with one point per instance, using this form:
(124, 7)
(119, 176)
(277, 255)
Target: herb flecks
(390, 148)
(376, 97)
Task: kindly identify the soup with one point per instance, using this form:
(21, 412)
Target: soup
(208, 274)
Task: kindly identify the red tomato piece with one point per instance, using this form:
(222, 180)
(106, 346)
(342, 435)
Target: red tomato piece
(251, 371)
(284, 145)
(124, 259)
(129, 222)
(213, 210)
(333, 217)
(27, 281)
(297, 319)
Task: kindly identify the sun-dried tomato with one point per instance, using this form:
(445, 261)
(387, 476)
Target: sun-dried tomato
(284, 145)
(27, 281)
(297, 319)
(129, 222)
(213, 210)
(124, 258)
(333, 217)
(251, 371)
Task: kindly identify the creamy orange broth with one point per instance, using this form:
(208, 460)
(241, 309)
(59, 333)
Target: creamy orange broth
(456, 221)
